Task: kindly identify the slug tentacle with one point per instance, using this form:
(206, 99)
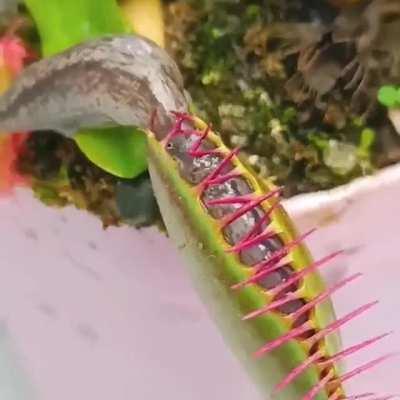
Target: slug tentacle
(240, 242)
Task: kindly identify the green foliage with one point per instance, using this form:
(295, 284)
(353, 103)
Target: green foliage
(128, 155)
(389, 96)
(64, 23)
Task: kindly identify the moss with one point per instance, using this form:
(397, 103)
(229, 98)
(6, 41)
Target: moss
(237, 76)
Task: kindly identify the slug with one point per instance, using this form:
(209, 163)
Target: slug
(119, 80)
(246, 259)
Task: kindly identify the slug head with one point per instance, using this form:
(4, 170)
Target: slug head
(116, 80)
(112, 81)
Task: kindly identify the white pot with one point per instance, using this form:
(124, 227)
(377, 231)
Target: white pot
(362, 218)
(103, 315)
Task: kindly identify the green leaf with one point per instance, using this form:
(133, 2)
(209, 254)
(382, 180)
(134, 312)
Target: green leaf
(121, 152)
(389, 96)
(367, 139)
(64, 23)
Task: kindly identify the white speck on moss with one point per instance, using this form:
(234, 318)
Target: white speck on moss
(341, 158)
(254, 159)
(240, 141)
(231, 110)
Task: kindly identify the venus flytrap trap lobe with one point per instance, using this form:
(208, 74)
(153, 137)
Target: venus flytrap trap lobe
(221, 215)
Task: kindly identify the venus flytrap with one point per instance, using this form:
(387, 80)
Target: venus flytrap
(247, 261)
(250, 266)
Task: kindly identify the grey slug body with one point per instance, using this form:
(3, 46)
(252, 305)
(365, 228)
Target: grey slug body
(118, 80)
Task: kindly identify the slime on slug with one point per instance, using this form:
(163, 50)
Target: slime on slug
(263, 289)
